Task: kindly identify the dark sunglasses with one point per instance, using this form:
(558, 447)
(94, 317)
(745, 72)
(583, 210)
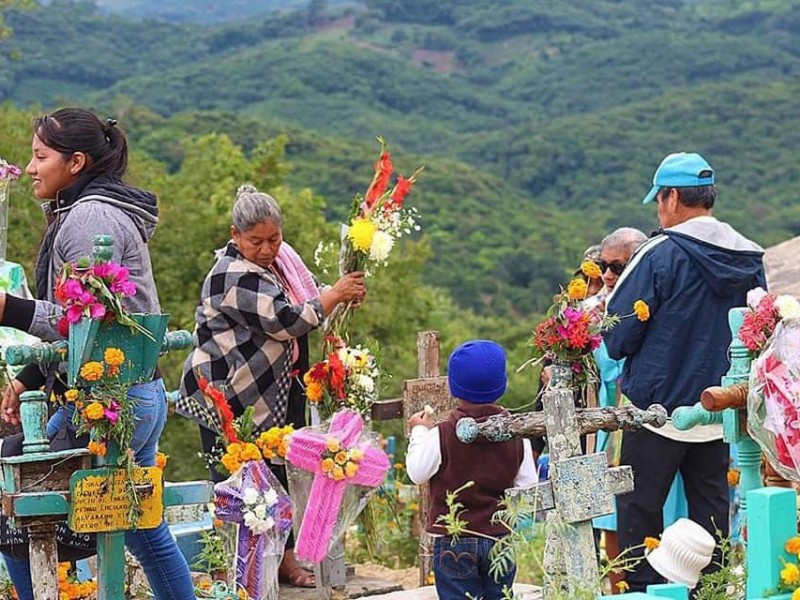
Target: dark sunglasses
(616, 268)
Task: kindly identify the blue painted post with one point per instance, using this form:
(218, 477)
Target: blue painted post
(748, 452)
(771, 521)
(676, 591)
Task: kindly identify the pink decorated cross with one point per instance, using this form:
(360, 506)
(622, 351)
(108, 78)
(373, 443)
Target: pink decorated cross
(338, 460)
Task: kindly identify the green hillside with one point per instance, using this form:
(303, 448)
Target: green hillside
(540, 124)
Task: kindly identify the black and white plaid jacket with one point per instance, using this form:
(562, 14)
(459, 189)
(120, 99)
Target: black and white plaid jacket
(245, 324)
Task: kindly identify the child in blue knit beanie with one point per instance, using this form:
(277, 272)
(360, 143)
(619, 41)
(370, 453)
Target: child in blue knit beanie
(476, 374)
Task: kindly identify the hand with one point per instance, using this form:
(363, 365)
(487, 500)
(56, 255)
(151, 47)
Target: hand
(9, 409)
(351, 287)
(547, 375)
(423, 417)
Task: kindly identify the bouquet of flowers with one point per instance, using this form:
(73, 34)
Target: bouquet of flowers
(251, 497)
(347, 378)
(102, 408)
(764, 312)
(238, 438)
(379, 218)
(96, 291)
(334, 469)
(771, 332)
(573, 328)
(376, 221)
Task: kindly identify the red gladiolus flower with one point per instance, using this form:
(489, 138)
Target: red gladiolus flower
(401, 190)
(338, 375)
(383, 172)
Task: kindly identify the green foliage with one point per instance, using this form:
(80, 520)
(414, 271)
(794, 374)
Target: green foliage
(213, 555)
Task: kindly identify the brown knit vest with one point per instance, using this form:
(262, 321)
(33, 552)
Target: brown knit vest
(491, 466)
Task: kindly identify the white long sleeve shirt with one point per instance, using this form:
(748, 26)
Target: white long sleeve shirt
(424, 457)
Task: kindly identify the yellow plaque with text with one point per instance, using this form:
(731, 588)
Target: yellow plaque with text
(99, 500)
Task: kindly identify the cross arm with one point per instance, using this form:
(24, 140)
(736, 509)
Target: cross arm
(501, 428)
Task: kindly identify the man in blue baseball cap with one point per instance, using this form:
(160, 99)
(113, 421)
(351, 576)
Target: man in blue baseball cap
(690, 275)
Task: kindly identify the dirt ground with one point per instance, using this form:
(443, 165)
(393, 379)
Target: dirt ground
(408, 578)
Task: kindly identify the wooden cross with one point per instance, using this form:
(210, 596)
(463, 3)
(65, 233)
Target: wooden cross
(432, 389)
(580, 487)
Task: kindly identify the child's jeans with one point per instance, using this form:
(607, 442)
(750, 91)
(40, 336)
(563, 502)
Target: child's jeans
(156, 550)
(462, 568)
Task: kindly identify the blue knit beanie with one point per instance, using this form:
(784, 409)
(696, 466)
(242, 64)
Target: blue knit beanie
(477, 372)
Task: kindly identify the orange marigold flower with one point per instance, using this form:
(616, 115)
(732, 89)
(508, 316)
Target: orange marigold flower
(97, 448)
(734, 475)
(591, 269)
(92, 371)
(161, 460)
(577, 289)
(793, 545)
(651, 543)
(94, 411)
(71, 395)
(314, 391)
(642, 310)
(114, 357)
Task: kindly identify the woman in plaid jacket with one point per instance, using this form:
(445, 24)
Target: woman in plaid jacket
(257, 305)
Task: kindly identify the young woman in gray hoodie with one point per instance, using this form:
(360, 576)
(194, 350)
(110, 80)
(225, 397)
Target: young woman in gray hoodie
(77, 166)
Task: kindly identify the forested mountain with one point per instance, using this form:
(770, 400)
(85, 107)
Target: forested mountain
(540, 124)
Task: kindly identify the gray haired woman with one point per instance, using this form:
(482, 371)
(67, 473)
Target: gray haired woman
(257, 305)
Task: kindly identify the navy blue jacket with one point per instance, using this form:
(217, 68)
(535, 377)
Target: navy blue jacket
(690, 275)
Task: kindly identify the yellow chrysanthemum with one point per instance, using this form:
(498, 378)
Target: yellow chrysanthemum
(577, 289)
(793, 545)
(332, 444)
(651, 543)
(361, 233)
(642, 310)
(92, 371)
(114, 357)
(790, 574)
(327, 465)
(94, 411)
(71, 395)
(591, 269)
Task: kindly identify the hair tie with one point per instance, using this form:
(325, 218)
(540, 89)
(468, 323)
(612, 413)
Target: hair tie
(110, 123)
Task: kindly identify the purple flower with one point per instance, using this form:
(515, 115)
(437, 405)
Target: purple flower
(74, 313)
(106, 270)
(97, 310)
(126, 288)
(73, 289)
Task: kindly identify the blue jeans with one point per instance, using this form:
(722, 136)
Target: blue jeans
(155, 549)
(462, 568)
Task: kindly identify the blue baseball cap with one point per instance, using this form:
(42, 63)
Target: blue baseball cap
(682, 169)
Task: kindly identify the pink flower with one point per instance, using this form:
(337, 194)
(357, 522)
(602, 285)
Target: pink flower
(111, 415)
(106, 270)
(74, 313)
(126, 288)
(73, 289)
(97, 310)
(572, 314)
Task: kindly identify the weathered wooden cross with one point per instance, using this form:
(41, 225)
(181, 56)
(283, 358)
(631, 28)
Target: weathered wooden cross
(430, 388)
(580, 487)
